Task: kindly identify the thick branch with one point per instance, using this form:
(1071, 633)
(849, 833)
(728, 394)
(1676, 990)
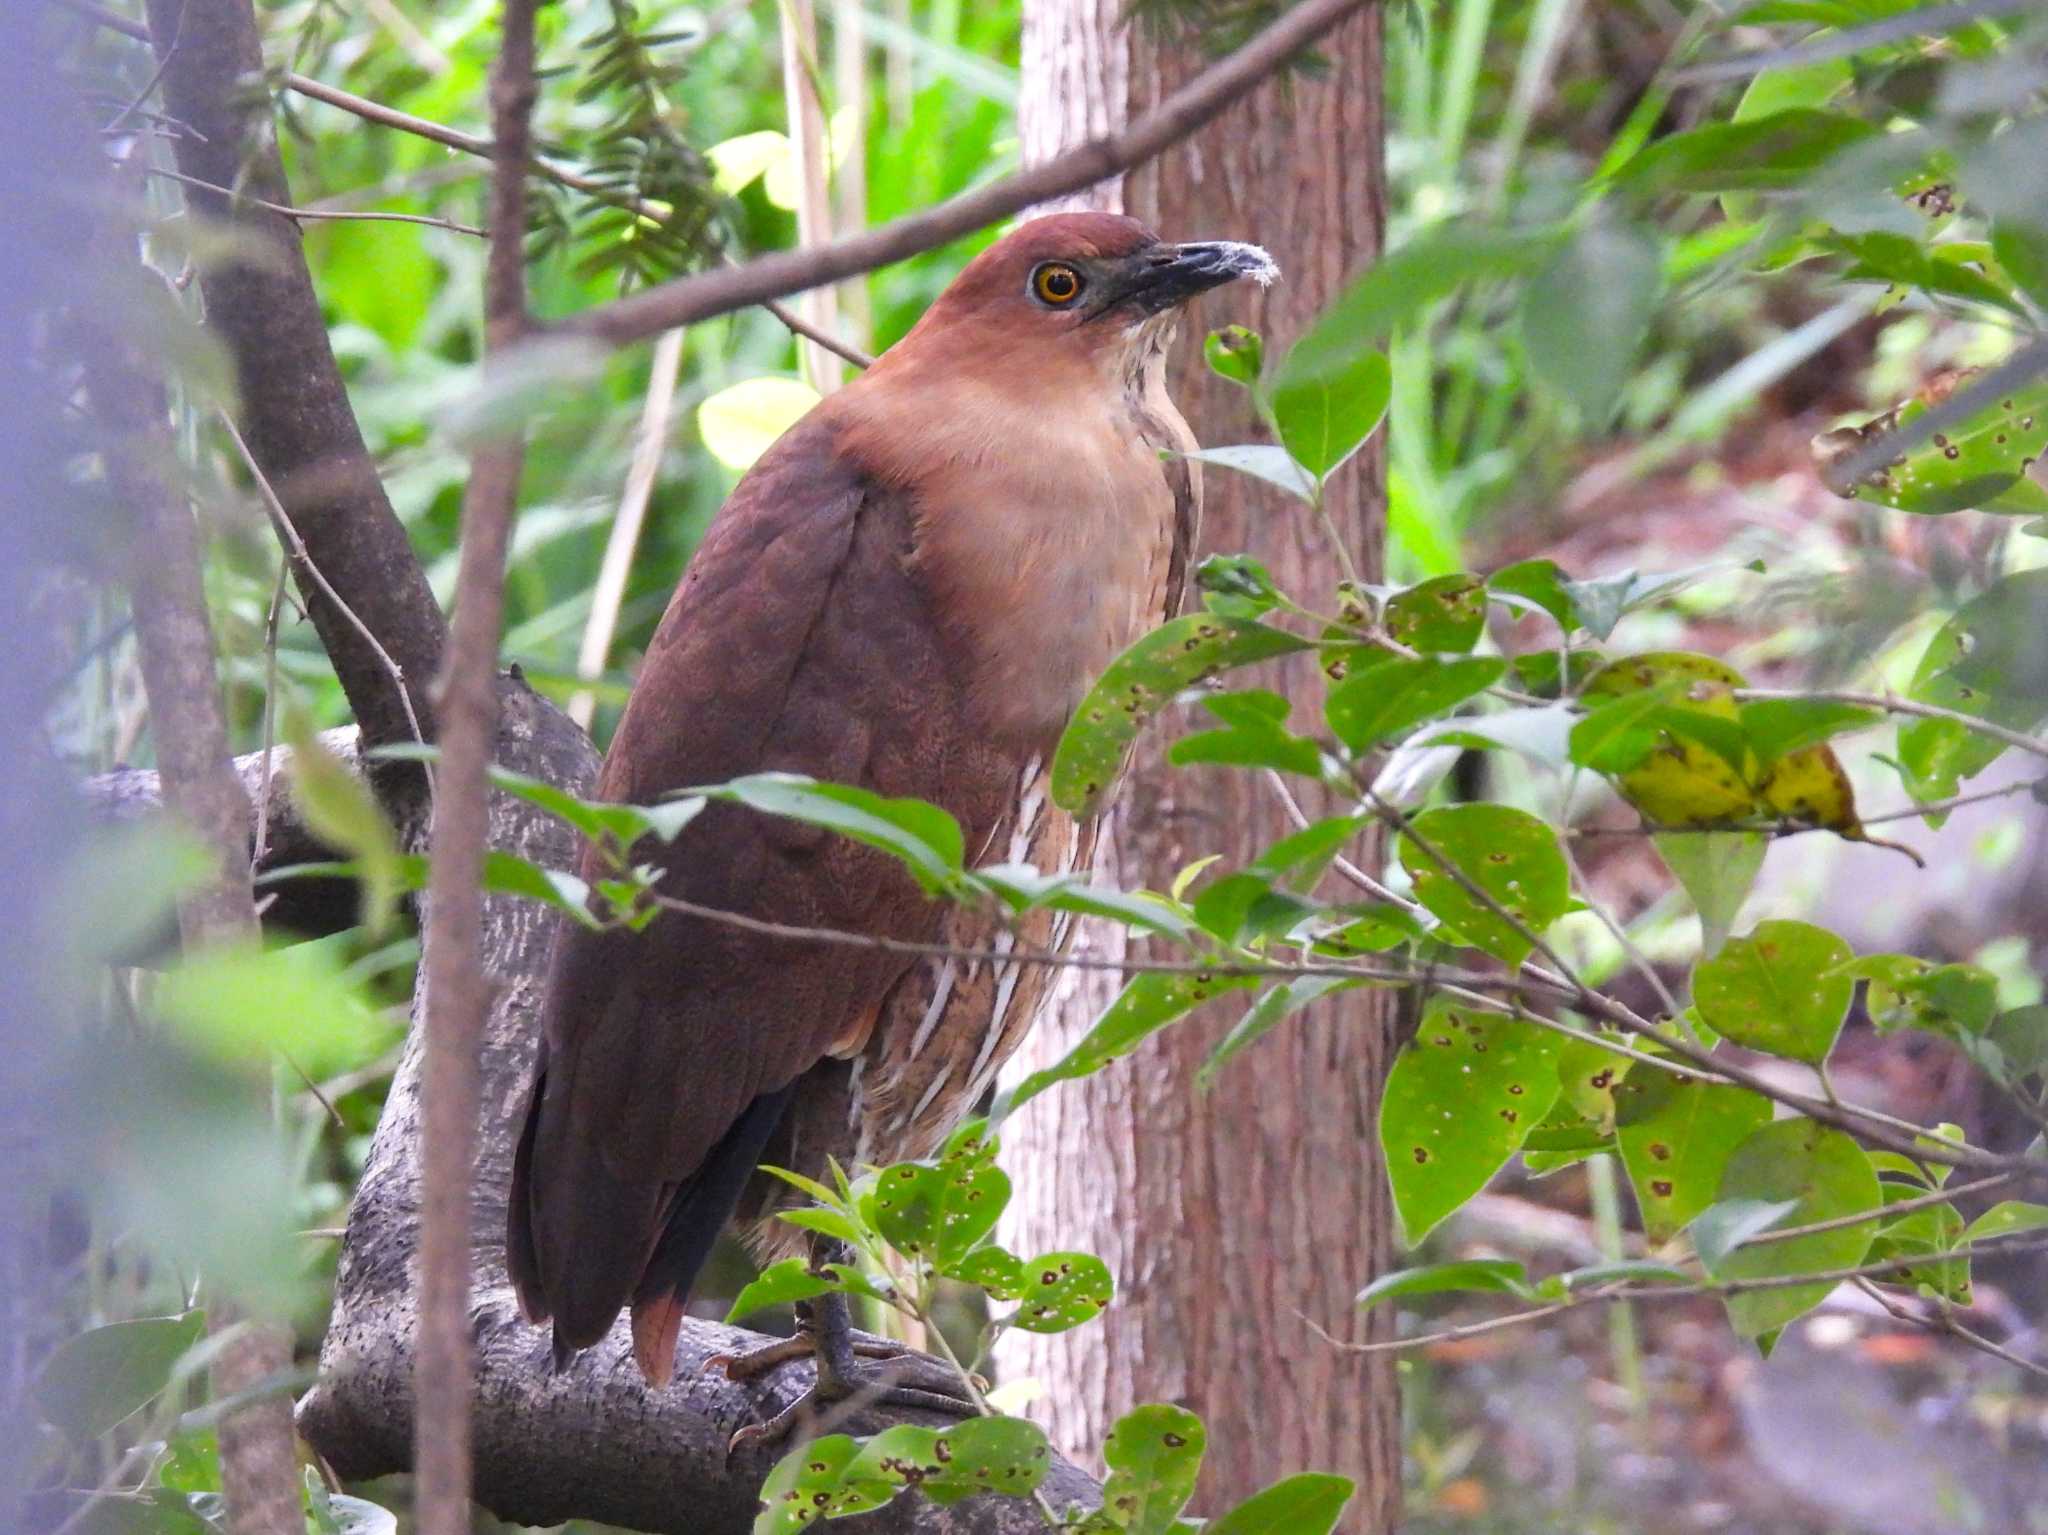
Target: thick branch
(690, 299)
(593, 1441)
(293, 407)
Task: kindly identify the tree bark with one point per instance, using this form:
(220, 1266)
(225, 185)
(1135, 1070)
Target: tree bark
(1229, 1215)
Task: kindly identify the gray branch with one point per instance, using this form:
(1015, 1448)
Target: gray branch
(592, 1442)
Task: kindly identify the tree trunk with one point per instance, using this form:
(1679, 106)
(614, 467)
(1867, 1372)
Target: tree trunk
(1231, 1215)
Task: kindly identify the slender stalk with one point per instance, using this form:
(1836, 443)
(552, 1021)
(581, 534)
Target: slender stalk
(458, 992)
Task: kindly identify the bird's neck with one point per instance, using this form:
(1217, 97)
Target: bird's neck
(1044, 524)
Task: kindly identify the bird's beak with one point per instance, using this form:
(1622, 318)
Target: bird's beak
(1162, 276)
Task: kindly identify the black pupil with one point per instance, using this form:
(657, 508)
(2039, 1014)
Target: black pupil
(1058, 282)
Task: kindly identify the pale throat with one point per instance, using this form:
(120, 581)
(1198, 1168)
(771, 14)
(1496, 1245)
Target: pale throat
(1046, 533)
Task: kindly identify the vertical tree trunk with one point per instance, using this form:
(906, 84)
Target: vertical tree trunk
(1227, 1216)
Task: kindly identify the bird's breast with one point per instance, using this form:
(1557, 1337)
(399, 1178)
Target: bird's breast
(1047, 555)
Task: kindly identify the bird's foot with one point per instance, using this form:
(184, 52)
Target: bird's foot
(899, 1377)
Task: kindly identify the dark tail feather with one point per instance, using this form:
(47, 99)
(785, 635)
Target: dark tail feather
(697, 1211)
(576, 1237)
(522, 1260)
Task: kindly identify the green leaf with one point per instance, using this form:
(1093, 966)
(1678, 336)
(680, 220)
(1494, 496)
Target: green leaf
(1507, 853)
(2022, 249)
(1718, 870)
(1603, 602)
(1472, 1276)
(1154, 1455)
(238, 1003)
(779, 1284)
(1147, 1004)
(1395, 692)
(1239, 580)
(1621, 1271)
(808, 1486)
(1542, 733)
(2006, 1218)
(1262, 461)
(1002, 1455)
(1236, 353)
(339, 809)
(1254, 736)
(1977, 462)
(1584, 316)
(1062, 1290)
(939, 1211)
(1987, 662)
(1278, 1002)
(1501, 1075)
(1400, 287)
(1139, 683)
(1324, 415)
(1541, 584)
(1444, 613)
(100, 1378)
(1023, 888)
(1308, 1503)
(1721, 1228)
(1828, 1176)
(1779, 989)
(1675, 1139)
(994, 1269)
(2021, 1035)
(509, 874)
(1777, 727)
(926, 838)
(1770, 153)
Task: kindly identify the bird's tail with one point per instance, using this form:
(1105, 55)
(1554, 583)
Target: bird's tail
(580, 1242)
(697, 1211)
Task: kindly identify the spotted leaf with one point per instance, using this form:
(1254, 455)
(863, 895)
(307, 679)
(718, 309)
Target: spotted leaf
(1154, 1454)
(1675, 1139)
(1463, 1095)
(1139, 683)
(1063, 1290)
(1507, 853)
(1780, 988)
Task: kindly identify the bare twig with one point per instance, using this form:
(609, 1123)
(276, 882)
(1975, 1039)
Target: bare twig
(619, 548)
(1944, 1322)
(1719, 1289)
(317, 213)
(259, 844)
(458, 992)
(302, 560)
(689, 299)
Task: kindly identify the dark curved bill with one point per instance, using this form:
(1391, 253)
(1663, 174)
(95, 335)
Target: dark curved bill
(1162, 276)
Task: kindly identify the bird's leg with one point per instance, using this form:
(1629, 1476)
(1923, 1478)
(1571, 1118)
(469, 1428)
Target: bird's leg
(904, 1378)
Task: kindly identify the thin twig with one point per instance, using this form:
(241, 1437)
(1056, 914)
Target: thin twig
(1629, 947)
(295, 547)
(1944, 1322)
(1719, 1289)
(1883, 1213)
(458, 991)
(260, 843)
(315, 213)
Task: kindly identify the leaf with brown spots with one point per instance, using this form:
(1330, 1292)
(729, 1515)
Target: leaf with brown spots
(1507, 853)
(1463, 1095)
(1154, 1454)
(993, 1454)
(1141, 682)
(1675, 1138)
(1062, 1290)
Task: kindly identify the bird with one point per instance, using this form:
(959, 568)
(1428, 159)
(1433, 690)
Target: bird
(910, 591)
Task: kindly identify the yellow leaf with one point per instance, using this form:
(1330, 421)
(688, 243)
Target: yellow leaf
(738, 162)
(740, 422)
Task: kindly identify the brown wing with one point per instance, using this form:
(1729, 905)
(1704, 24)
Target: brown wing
(798, 641)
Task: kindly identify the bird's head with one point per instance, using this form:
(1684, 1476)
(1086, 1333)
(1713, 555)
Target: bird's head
(1098, 286)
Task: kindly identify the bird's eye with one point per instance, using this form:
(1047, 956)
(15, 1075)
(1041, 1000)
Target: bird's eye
(1056, 283)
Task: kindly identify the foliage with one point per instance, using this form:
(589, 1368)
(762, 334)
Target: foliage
(1568, 285)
